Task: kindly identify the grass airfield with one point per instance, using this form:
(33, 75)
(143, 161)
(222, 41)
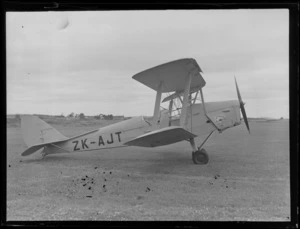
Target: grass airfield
(246, 179)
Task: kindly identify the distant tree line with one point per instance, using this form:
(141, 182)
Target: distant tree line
(18, 117)
(80, 116)
(98, 117)
(105, 117)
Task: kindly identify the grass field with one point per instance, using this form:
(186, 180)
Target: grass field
(246, 179)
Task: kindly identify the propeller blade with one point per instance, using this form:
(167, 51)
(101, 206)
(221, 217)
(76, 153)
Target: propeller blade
(238, 91)
(245, 117)
(242, 106)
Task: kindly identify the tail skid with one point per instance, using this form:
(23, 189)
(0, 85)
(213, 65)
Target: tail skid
(37, 134)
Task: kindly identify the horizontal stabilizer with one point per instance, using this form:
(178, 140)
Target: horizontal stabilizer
(164, 136)
(37, 134)
(35, 148)
(32, 149)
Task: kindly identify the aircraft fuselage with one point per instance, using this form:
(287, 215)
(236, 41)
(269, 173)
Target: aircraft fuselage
(223, 115)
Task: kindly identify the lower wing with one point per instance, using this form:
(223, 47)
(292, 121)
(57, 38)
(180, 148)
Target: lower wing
(164, 136)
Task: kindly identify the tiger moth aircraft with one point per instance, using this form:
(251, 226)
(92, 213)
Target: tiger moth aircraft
(184, 120)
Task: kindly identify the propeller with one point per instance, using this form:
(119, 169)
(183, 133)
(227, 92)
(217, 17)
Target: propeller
(242, 106)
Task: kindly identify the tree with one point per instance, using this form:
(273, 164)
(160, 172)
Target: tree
(97, 117)
(81, 116)
(18, 117)
(108, 117)
(71, 115)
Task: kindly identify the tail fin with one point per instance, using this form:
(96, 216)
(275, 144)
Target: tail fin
(37, 133)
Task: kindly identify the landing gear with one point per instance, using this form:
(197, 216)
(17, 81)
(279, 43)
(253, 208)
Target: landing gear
(200, 157)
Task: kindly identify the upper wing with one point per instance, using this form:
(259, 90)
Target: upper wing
(172, 74)
(164, 136)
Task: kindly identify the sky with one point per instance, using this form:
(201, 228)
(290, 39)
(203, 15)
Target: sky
(82, 62)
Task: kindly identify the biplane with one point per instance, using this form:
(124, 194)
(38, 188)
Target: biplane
(186, 118)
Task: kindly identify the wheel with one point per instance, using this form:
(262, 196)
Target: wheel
(200, 157)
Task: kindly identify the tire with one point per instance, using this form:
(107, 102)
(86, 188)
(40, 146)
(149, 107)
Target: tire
(200, 157)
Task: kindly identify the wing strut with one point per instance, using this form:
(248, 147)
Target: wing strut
(157, 103)
(204, 109)
(202, 99)
(185, 100)
(170, 111)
